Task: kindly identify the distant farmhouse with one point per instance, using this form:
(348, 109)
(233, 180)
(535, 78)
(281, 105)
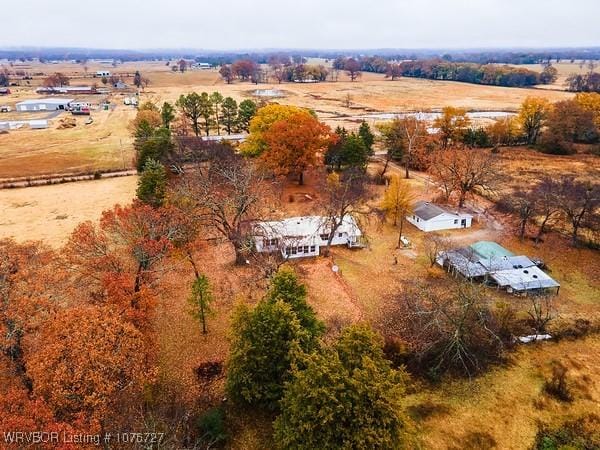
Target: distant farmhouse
(429, 217)
(298, 237)
(202, 66)
(492, 264)
(225, 137)
(44, 104)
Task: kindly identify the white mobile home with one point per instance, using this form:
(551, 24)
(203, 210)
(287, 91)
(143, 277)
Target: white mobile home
(44, 104)
(103, 73)
(429, 217)
(298, 237)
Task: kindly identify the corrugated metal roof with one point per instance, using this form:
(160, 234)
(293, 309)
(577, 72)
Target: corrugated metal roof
(517, 272)
(489, 249)
(426, 210)
(460, 261)
(50, 101)
(304, 226)
(506, 263)
(524, 279)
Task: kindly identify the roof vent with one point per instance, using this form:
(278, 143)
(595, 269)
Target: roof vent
(526, 271)
(534, 276)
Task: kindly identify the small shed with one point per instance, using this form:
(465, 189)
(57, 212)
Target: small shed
(44, 104)
(431, 217)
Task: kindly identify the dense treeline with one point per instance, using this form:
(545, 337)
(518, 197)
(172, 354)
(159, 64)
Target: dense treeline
(490, 74)
(499, 56)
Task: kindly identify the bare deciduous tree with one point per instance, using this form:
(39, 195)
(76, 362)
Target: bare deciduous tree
(465, 171)
(579, 201)
(541, 312)
(228, 193)
(452, 330)
(342, 195)
(435, 243)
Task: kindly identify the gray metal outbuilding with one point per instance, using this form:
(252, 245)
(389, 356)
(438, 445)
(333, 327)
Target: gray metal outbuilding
(44, 104)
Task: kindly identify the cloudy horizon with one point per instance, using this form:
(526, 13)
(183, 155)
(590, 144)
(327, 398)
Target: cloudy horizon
(335, 25)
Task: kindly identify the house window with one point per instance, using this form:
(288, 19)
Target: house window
(288, 251)
(270, 242)
(294, 250)
(418, 219)
(300, 249)
(455, 221)
(324, 237)
(340, 234)
(312, 248)
(306, 249)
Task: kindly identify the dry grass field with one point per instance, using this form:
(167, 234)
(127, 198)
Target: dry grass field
(106, 144)
(522, 167)
(565, 68)
(50, 213)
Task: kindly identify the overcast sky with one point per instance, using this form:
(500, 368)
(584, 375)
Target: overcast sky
(235, 24)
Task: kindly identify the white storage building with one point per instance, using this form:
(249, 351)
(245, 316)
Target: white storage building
(298, 237)
(430, 217)
(44, 104)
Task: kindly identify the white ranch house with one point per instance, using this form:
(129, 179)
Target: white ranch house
(298, 237)
(429, 217)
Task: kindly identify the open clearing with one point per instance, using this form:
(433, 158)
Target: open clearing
(50, 213)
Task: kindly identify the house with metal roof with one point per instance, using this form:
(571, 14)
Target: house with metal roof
(492, 264)
(298, 237)
(428, 216)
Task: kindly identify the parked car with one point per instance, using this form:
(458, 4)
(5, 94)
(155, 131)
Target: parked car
(5, 109)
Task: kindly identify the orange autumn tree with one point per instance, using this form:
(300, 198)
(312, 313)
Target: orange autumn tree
(31, 283)
(19, 412)
(295, 144)
(87, 364)
(118, 262)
